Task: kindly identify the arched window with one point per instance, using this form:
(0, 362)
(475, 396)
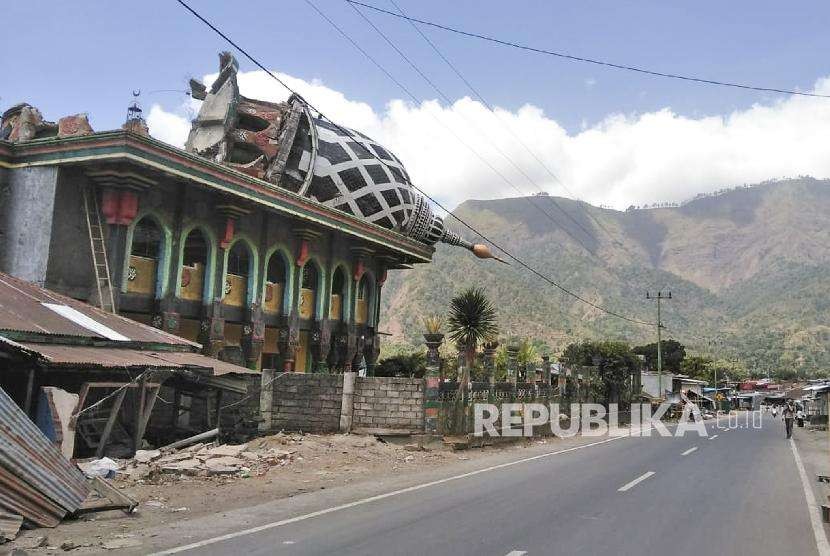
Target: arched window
(238, 272)
(338, 294)
(145, 252)
(194, 264)
(308, 290)
(365, 294)
(275, 279)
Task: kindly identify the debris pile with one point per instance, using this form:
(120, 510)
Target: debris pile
(203, 460)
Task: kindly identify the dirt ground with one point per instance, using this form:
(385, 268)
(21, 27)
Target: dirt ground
(313, 462)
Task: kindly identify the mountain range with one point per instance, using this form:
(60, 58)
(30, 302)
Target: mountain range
(747, 268)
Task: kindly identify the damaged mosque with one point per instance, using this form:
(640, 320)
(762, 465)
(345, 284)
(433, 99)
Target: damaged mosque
(266, 240)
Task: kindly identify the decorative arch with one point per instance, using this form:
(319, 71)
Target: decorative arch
(320, 291)
(346, 293)
(281, 251)
(210, 260)
(163, 256)
(366, 291)
(253, 265)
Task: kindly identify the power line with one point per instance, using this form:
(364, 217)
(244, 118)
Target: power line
(495, 146)
(574, 58)
(504, 124)
(349, 133)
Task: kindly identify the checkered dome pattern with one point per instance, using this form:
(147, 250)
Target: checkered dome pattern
(348, 177)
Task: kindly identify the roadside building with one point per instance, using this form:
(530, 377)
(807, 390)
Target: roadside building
(267, 239)
(91, 379)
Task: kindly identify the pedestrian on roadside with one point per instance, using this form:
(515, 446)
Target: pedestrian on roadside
(799, 416)
(774, 411)
(788, 413)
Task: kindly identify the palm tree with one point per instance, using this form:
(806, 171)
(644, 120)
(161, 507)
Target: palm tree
(472, 320)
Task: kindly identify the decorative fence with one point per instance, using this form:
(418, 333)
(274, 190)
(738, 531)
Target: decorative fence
(457, 409)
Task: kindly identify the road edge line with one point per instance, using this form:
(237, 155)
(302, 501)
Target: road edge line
(413, 488)
(822, 545)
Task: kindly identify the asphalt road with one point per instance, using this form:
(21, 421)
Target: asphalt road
(732, 492)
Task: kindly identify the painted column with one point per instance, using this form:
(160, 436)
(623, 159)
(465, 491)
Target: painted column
(512, 361)
(490, 361)
(546, 370)
(433, 383)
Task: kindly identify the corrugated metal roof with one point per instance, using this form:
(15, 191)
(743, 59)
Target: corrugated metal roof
(196, 360)
(38, 482)
(9, 525)
(22, 309)
(109, 357)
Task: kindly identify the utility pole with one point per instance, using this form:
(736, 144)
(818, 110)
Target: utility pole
(659, 297)
(715, 370)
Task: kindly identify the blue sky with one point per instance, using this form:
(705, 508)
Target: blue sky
(67, 57)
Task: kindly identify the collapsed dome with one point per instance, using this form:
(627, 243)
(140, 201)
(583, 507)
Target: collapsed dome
(295, 149)
(355, 174)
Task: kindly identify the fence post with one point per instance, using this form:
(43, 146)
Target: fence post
(347, 403)
(266, 400)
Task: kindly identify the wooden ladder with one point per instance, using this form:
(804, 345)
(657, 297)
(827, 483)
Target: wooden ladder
(99, 250)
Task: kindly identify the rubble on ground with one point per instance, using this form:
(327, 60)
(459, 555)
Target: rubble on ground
(253, 459)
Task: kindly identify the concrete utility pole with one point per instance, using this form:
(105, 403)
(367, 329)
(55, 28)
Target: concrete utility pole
(659, 297)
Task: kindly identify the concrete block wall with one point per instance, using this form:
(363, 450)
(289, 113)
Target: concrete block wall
(388, 403)
(307, 402)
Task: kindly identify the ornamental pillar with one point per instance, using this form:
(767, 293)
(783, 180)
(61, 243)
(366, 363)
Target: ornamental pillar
(433, 383)
(512, 362)
(490, 361)
(546, 370)
(253, 337)
(212, 333)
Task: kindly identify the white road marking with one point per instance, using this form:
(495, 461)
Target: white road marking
(689, 451)
(517, 553)
(375, 498)
(636, 481)
(714, 436)
(815, 513)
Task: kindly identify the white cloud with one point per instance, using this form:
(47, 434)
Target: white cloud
(622, 160)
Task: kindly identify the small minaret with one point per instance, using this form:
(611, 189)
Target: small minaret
(135, 119)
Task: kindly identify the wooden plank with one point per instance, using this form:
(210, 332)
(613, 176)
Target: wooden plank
(118, 500)
(81, 400)
(116, 407)
(138, 413)
(30, 392)
(147, 410)
(119, 384)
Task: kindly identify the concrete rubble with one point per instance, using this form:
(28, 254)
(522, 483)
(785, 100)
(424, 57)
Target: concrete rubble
(204, 460)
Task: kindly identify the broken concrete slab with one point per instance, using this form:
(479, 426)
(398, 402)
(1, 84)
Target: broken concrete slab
(146, 456)
(172, 458)
(224, 461)
(187, 466)
(226, 450)
(222, 470)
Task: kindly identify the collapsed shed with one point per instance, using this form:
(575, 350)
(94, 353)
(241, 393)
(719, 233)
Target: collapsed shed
(100, 384)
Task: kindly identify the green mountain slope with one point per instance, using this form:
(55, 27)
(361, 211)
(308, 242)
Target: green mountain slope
(747, 268)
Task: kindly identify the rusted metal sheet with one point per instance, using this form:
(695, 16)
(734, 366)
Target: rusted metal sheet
(37, 481)
(18, 497)
(188, 359)
(107, 357)
(9, 525)
(97, 357)
(22, 309)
